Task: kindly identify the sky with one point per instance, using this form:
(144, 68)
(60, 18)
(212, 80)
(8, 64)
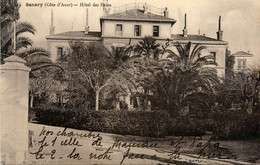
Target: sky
(240, 19)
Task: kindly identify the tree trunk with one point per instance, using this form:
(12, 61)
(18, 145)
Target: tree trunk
(97, 100)
(118, 105)
(31, 100)
(138, 102)
(250, 107)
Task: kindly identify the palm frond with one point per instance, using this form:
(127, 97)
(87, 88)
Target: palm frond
(23, 42)
(23, 27)
(192, 55)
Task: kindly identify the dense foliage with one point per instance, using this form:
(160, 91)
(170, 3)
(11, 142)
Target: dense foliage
(223, 125)
(230, 62)
(178, 91)
(234, 125)
(139, 123)
(181, 82)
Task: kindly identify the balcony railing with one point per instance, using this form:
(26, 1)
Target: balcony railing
(130, 6)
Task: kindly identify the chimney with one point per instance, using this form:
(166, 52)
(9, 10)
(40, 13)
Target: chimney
(86, 26)
(145, 8)
(185, 31)
(219, 33)
(52, 28)
(166, 13)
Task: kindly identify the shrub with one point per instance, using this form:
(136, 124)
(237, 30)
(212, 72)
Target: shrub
(234, 125)
(140, 123)
(187, 126)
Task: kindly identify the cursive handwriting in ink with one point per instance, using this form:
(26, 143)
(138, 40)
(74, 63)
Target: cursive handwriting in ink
(39, 154)
(71, 142)
(44, 132)
(105, 155)
(80, 135)
(118, 144)
(74, 155)
(97, 142)
(52, 154)
(208, 149)
(131, 156)
(176, 153)
(53, 141)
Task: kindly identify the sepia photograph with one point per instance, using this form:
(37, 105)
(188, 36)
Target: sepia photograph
(120, 82)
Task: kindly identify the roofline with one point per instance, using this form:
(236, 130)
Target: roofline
(201, 42)
(244, 55)
(51, 37)
(88, 38)
(134, 37)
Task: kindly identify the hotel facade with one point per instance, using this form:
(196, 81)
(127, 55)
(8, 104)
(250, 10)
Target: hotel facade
(129, 24)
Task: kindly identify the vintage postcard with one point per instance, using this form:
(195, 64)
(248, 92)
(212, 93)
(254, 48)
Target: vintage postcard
(130, 82)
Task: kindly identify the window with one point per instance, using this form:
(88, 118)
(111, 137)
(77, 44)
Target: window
(156, 31)
(241, 63)
(119, 29)
(214, 56)
(137, 30)
(212, 61)
(244, 63)
(60, 51)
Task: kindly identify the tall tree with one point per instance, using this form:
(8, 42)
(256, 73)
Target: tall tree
(90, 63)
(148, 54)
(183, 81)
(148, 49)
(230, 61)
(189, 59)
(121, 54)
(21, 42)
(36, 58)
(124, 81)
(9, 14)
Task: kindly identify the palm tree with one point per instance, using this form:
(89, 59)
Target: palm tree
(183, 81)
(148, 48)
(187, 59)
(145, 62)
(21, 42)
(121, 54)
(36, 58)
(9, 14)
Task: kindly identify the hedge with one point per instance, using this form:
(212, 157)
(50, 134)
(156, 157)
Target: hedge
(223, 124)
(140, 123)
(235, 125)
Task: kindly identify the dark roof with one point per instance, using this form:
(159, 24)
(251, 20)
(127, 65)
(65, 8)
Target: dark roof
(242, 53)
(138, 15)
(192, 37)
(78, 34)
